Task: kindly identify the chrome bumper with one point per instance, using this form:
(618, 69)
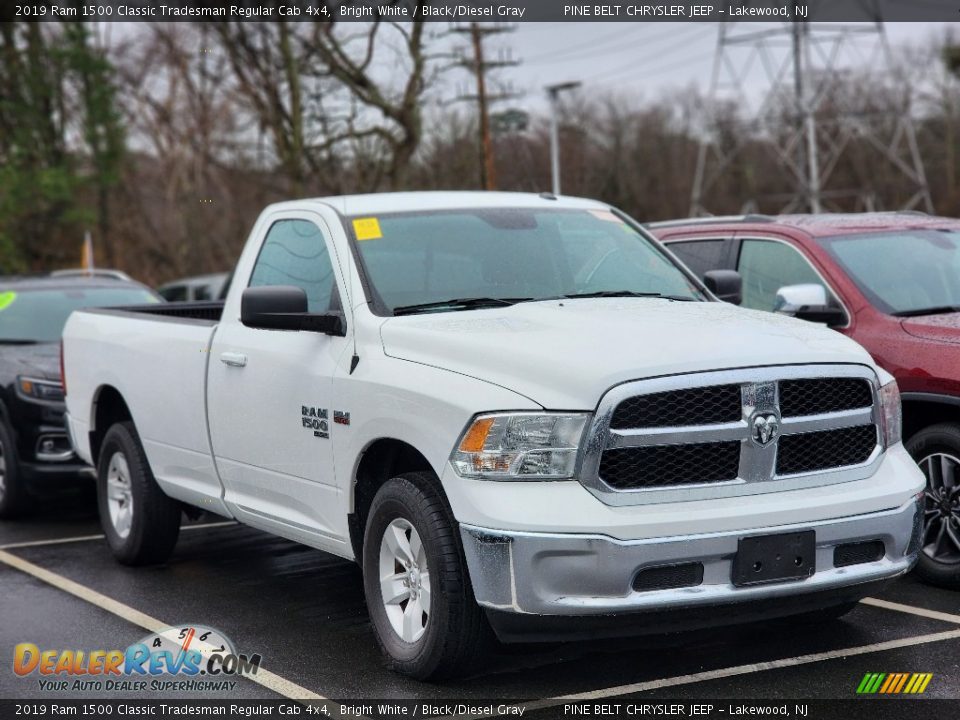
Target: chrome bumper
(562, 574)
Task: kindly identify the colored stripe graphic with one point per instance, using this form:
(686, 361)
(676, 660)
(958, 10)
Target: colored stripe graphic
(903, 681)
(894, 683)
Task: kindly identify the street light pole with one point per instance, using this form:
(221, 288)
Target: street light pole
(553, 92)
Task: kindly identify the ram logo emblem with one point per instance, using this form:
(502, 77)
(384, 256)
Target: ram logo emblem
(765, 428)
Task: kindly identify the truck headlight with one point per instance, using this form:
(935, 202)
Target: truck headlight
(891, 419)
(49, 390)
(520, 446)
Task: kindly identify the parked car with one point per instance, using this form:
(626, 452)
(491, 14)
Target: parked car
(35, 453)
(514, 411)
(890, 281)
(199, 288)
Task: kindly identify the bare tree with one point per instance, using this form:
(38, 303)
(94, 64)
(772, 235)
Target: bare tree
(313, 89)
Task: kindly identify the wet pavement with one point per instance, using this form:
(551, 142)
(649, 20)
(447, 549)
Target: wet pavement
(303, 611)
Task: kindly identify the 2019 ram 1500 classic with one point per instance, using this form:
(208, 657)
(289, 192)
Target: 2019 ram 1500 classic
(513, 411)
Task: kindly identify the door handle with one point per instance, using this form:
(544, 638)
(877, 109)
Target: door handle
(233, 359)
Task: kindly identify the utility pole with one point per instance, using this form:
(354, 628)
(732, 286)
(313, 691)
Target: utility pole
(553, 92)
(831, 129)
(808, 163)
(488, 169)
(480, 66)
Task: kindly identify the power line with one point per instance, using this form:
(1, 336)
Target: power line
(636, 64)
(559, 55)
(802, 122)
(619, 47)
(641, 69)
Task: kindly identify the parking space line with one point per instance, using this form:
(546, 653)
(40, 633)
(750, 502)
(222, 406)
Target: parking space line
(269, 680)
(55, 541)
(734, 671)
(922, 612)
(85, 538)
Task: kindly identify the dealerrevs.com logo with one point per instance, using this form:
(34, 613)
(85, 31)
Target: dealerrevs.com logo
(894, 683)
(181, 658)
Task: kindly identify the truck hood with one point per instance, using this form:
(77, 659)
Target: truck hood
(567, 354)
(939, 328)
(40, 361)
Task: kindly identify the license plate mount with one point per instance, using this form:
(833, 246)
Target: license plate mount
(783, 557)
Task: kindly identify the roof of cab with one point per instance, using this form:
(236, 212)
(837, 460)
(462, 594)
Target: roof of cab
(376, 203)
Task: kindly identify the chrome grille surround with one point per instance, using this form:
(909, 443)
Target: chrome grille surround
(757, 468)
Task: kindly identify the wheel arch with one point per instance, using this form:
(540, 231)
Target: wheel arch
(381, 459)
(108, 408)
(921, 410)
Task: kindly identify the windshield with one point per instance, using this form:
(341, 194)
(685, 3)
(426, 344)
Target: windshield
(39, 315)
(910, 272)
(422, 258)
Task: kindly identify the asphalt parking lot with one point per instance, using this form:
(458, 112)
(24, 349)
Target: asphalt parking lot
(303, 611)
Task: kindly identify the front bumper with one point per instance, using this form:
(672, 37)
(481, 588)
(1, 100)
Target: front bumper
(52, 475)
(582, 575)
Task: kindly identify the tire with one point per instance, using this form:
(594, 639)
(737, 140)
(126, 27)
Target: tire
(448, 637)
(141, 523)
(13, 494)
(937, 451)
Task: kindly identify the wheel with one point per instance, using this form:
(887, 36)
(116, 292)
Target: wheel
(418, 592)
(141, 523)
(13, 496)
(937, 451)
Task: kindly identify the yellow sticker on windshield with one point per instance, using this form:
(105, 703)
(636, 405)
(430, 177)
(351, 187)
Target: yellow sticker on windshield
(7, 298)
(367, 228)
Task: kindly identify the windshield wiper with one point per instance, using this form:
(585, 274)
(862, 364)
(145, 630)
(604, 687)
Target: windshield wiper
(627, 293)
(16, 341)
(928, 311)
(458, 304)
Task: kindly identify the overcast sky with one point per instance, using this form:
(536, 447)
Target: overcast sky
(640, 59)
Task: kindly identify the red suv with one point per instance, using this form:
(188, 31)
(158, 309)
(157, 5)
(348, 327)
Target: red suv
(891, 281)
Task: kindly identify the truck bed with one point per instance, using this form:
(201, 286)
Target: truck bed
(155, 357)
(210, 310)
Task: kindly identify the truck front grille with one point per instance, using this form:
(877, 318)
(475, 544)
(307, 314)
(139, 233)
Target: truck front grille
(823, 395)
(733, 427)
(659, 465)
(692, 406)
(810, 452)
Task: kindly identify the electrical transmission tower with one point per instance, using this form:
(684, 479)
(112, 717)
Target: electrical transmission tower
(814, 118)
(479, 64)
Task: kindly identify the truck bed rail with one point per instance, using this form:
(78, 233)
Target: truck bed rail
(209, 310)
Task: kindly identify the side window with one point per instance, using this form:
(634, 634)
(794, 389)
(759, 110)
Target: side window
(295, 253)
(700, 255)
(768, 265)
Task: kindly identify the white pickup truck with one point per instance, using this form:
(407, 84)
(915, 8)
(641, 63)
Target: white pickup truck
(515, 412)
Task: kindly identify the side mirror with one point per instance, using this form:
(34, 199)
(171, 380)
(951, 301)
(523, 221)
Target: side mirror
(727, 285)
(808, 302)
(284, 307)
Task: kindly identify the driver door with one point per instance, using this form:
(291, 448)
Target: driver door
(270, 394)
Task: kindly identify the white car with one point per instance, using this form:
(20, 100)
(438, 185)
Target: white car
(513, 411)
(200, 288)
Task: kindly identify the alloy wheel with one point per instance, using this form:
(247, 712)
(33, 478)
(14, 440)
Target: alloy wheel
(941, 517)
(119, 495)
(404, 580)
